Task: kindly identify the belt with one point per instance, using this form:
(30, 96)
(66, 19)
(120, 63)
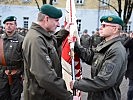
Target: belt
(8, 67)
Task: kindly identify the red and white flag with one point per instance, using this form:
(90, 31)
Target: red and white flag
(66, 47)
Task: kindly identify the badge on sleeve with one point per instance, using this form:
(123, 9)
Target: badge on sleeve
(48, 59)
(106, 70)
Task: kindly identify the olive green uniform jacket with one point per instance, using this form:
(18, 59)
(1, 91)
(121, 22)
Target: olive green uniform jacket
(12, 48)
(85, 40)
(109, 63)
(43, 67)
(13, 52)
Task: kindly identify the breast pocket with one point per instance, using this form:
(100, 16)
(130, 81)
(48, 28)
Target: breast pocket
(16, 53)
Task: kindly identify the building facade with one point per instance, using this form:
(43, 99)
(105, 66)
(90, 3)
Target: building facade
(88, 12)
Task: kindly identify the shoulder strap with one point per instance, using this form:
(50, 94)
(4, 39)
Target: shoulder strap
(2, 58)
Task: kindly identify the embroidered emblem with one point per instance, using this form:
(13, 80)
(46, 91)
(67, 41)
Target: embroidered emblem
(14, 41)
(110, 18)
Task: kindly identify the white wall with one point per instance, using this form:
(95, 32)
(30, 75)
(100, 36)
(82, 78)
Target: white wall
(89, 18)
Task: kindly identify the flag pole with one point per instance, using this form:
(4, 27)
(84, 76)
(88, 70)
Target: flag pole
(73, 69)
(72, 47)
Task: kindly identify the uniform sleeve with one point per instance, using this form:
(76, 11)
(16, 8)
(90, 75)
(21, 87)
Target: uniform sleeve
(81, 40)
(42, 69)
(85, 54)
(21, 62)
(61, 36)
(109, 75)
(128, 43)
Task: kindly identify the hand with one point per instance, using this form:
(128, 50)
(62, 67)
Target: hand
(67, 27)
(78, 93)
(76, 98)
(131, 35)
(71, 84)
(72, 39)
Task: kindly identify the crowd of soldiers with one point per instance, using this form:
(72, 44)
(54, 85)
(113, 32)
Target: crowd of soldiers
(89, 41)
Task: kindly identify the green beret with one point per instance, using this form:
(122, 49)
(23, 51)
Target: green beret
(51, 11)
(10, 18)
(112, 19)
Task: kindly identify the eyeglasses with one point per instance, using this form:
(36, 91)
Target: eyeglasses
(104, 25)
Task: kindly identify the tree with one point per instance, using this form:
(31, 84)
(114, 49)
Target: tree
(37, 5)
(43, 2)
(127, 10)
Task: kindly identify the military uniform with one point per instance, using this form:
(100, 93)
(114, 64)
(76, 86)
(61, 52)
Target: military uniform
(107, 70)
(14, 63)
(85, 40)
(43, 79)
(128, 43)
(108, 63)
(42, 63)
(95, 40)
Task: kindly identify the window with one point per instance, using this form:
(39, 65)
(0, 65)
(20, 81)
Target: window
(79, 24)
(26, 1)
(0, 20)
(54, 1)
(103, 2)
(79, 2)
(25, 19)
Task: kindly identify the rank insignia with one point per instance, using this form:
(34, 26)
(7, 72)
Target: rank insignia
(110, 18)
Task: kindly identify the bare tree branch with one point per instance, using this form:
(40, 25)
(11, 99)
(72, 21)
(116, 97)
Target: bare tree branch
(37, 5)
(127, 10)
(109, 5)
(119, 8)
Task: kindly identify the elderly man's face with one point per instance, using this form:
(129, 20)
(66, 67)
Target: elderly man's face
(10, 27)
(52, 24)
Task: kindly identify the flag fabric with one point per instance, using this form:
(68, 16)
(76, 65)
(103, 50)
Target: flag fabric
(66, 47)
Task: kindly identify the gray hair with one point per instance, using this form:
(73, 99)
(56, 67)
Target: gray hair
(40, 16)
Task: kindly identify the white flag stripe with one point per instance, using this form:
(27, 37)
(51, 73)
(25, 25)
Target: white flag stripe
(66, 67)
(66, 70)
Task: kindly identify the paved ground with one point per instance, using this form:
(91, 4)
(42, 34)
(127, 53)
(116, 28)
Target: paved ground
(124, 85)
(124, 88)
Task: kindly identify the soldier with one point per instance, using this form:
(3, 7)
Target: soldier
(11, 62)
(1, 29)
(85, 39)
(23, 31)
(108, 62)
(43, 71)
(129, 73)
(95, 39)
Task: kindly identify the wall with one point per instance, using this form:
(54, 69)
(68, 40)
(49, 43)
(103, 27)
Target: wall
(89, 18)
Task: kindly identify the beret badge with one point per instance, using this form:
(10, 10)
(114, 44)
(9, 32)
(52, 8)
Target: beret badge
(10, 18)
(110, 18)
(14, 18)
